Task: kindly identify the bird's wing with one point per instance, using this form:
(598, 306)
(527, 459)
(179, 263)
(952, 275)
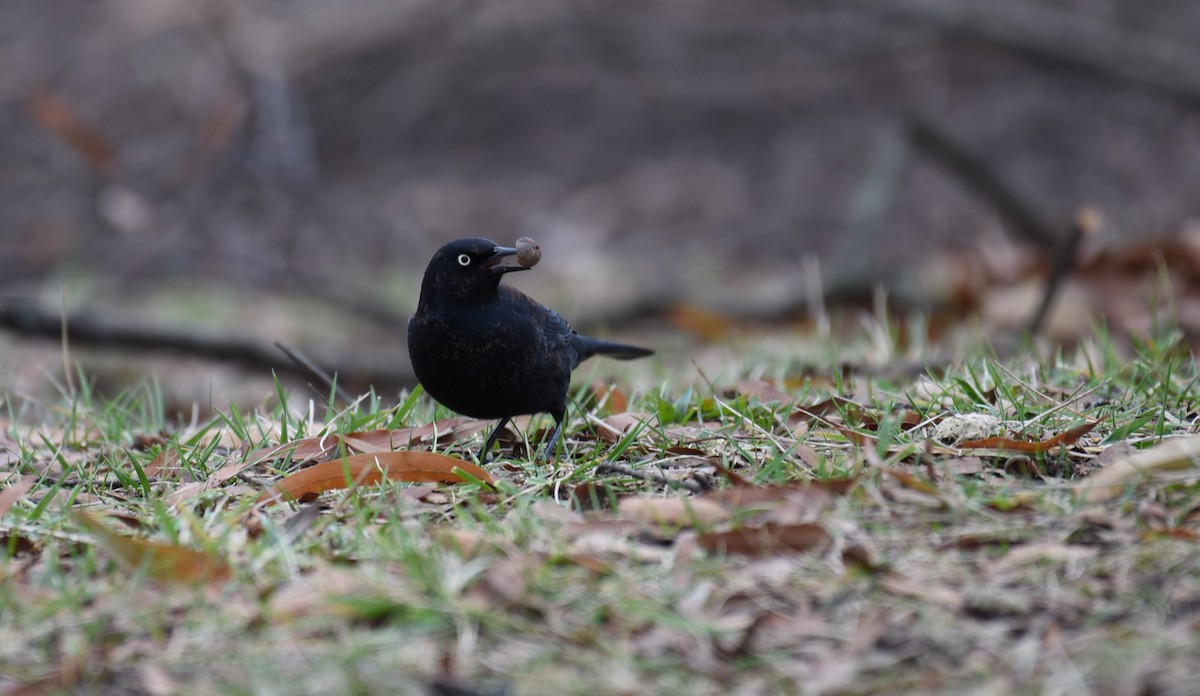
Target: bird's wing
(556, 331)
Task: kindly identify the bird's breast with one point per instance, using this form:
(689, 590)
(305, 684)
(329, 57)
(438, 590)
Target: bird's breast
(487, 362)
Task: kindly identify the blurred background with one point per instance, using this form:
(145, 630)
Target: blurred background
(192, 180)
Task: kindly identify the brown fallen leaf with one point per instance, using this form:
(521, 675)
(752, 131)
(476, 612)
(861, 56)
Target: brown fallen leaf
(809, 456)
(728, 474)
(907, 420)
(375, 441)
(818, 411)
(591, 562)
(234, 468)
(456, 428)
(169, 459)
(741, 498)
(765, 392)
(591, 495)
(297, 450)
(912, 482)
(855, 437)
(367, 469)
(14, 492)
(676, 512)
(614, 427)
(1176, 454)
(321, 446)
(163, 563)
(609, 396)
(960, 465)
(318, 593)
(1175, 533)
(767, 539)
(13, 545)
(1067, 438)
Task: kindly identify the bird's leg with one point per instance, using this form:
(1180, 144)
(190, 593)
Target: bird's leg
(487, 446)
(550, 446)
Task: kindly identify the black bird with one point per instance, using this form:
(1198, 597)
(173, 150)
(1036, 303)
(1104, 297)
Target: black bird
(487, 350)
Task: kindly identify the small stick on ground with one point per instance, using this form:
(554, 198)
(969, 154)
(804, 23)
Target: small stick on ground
(1064, 262)
(625, 470)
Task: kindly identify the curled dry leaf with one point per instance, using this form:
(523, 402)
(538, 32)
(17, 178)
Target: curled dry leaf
(367, 469)
(1176, 454)
(163, 563)
(1064, 439)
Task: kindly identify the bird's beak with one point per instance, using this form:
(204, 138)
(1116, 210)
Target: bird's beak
(497, 264)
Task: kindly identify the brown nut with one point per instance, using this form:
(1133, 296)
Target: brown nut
(529, 252)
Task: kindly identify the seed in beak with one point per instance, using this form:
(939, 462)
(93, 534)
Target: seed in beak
(529, 252)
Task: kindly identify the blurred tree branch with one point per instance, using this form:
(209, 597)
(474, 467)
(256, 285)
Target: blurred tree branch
(976, 175)
(1121, 51)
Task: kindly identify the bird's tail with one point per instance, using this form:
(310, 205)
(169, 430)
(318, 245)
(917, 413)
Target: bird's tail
(588, 347)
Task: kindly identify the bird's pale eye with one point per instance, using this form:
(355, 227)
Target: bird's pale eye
(464, 260)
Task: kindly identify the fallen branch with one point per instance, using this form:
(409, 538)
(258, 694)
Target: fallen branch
(28, 319)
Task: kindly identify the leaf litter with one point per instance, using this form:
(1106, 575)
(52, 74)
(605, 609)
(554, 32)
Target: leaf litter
(833, 546)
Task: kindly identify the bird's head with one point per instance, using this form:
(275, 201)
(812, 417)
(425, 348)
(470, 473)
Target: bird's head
(467, 270)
